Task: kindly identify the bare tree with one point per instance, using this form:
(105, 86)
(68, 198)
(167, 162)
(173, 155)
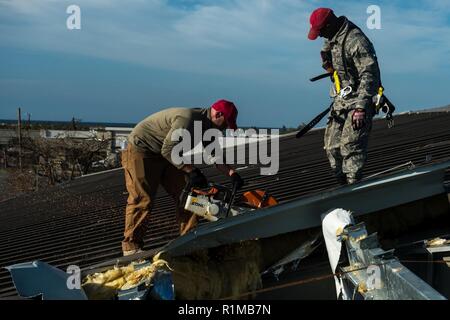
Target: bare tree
(83, 153)
(60, 159)
(49, 161)
(45, 154)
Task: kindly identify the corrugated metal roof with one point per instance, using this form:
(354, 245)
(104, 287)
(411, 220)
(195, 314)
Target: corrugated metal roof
(82, 222)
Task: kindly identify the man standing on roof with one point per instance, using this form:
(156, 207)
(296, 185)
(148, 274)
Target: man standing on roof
(147, 163)
(349, 54)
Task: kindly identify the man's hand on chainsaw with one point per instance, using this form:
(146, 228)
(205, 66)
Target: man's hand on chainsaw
(359, 119)
(197, 178)
(237, 181)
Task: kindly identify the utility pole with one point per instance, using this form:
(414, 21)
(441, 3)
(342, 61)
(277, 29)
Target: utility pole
(4, 159)
(29, 120)
(19, 128)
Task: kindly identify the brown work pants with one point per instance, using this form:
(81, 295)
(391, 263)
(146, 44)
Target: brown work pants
(143, 174)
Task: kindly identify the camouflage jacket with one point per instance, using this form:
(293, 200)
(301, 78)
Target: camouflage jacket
(360, 69)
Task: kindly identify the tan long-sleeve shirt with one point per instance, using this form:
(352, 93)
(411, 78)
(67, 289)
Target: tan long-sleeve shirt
(154, 133)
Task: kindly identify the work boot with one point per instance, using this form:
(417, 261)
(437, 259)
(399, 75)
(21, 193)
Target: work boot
(352, 180)
(131, 252)
(131, 247)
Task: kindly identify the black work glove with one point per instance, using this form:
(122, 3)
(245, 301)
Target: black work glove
(326, 61)
(237, 181)
(359, 119)
(197, 179)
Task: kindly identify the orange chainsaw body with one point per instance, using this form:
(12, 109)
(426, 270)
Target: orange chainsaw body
(258, 199)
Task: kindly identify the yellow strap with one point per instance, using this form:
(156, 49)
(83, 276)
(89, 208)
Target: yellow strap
(337, 83)
(380, 94)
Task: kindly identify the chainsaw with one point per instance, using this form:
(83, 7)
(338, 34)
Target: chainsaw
(216, 201)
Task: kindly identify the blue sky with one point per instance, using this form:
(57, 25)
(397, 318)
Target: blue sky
(132, 58)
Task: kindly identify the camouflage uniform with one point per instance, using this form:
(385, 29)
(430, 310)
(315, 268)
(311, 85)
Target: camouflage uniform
(347, 148)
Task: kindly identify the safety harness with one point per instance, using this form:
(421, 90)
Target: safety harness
(382, 102)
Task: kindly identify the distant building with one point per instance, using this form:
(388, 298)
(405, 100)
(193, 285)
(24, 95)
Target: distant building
(119, 137)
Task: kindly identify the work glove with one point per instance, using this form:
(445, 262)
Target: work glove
(197, 179)
(358, 119)
(237, 181)
(326, 61)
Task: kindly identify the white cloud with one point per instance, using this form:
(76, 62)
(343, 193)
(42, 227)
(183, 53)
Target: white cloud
(251, 37)
(247, 36)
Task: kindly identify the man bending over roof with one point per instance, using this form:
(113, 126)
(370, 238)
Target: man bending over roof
(147, 163)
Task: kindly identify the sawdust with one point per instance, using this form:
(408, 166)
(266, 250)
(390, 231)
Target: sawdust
(105, 285)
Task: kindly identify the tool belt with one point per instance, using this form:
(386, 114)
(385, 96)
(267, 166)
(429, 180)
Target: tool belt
(380, 101)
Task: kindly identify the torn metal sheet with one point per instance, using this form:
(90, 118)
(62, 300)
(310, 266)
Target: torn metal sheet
(39, 279)
(376, 274)
(333, 225)
(42, 281)
(295, 256)
(372, 195)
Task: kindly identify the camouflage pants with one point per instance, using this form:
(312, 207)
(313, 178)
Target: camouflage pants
(346, 148)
